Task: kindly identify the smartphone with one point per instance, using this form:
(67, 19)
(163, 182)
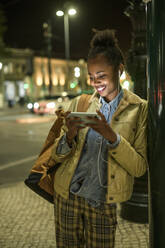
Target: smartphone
(84, 116)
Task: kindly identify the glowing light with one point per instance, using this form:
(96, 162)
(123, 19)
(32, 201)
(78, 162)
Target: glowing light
(59, 13)
(64, 93)
(72, 11)
(55, 80)
(76, 68)
(73, 84)
(62, 80)
(77, 72)
(29, 105)
(36, 105)
(59, 99)
(26, 86)
(39, 80)
(51, 105)
(1, 65)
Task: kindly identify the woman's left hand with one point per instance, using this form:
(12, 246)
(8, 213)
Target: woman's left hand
(102, 127)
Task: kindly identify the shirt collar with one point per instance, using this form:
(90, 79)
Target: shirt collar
(114, 103)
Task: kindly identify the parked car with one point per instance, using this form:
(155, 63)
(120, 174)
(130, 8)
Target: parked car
(49, 104)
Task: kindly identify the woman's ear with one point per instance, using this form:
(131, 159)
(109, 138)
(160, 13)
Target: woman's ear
(121, 69)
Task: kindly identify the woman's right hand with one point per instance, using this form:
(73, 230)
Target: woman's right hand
(74, 125)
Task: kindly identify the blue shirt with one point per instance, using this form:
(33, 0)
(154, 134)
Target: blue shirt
(90, 178)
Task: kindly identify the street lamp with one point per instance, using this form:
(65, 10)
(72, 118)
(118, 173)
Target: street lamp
(66, 14)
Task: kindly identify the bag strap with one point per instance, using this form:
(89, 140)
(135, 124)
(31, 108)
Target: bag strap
(83, 103)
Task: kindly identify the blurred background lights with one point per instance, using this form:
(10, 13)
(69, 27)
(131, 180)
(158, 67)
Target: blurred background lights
(26, 86)
(39, 80)
(72, 11)
(77, 72)
(59, 13)
(36, 105)
(64, 93)
(0, 65)
(73, 84)
(50, 105)
(59, 99)
(30, 105)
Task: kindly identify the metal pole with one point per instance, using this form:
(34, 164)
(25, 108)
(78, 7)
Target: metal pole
(156, 90)
(66, 34)
(49, 56)
(48, 39)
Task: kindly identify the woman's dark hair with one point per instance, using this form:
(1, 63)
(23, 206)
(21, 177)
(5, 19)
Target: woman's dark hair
(105, 43)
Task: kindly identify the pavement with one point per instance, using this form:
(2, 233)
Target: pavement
(27, 221)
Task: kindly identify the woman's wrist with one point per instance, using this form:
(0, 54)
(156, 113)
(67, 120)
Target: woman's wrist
(69, 138)
(112, 137)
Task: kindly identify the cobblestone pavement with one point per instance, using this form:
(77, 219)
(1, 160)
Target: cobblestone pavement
(26, 221)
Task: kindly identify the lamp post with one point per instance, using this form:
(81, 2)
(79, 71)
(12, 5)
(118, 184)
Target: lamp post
(66, 14)
(48, 39)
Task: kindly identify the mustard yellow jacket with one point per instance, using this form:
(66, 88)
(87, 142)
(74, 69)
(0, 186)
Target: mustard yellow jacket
(126, 161)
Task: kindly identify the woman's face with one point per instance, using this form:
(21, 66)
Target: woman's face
(103, 77)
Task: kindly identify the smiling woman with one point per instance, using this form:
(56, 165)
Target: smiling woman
(100, 158)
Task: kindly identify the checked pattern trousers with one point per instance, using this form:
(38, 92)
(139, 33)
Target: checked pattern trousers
(79, 225)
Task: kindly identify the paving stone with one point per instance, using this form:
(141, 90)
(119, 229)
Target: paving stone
(27, 221)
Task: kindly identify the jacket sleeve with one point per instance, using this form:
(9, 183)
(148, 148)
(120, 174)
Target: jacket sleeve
(60, 157)
(133, 158)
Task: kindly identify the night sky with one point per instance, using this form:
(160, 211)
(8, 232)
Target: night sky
(26, 17)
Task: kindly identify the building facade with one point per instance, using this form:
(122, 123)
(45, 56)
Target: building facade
(24, 76)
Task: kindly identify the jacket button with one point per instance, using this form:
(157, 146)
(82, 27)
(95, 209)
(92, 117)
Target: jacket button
(113, 153)
(112, 176)
(116, 118)
(110, 198)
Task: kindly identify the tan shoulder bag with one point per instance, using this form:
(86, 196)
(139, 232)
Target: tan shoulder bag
(41, 177)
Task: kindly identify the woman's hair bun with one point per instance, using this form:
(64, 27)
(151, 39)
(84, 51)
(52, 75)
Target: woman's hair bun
(104, 38)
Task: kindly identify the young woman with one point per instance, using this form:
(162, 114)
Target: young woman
(99, 161)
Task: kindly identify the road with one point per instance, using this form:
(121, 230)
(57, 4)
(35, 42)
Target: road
(22, 138)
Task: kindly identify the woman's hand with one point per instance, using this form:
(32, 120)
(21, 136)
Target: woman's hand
(60, 116)
(74, 125)
(102, 127)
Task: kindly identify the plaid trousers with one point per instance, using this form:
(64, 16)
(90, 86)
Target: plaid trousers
(79, 225)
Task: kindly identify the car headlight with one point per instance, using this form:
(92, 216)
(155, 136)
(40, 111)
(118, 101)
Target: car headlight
(36, 105)
(30, 105)
(50, 105)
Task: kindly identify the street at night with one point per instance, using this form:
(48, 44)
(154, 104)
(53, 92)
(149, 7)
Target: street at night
(105, 61)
